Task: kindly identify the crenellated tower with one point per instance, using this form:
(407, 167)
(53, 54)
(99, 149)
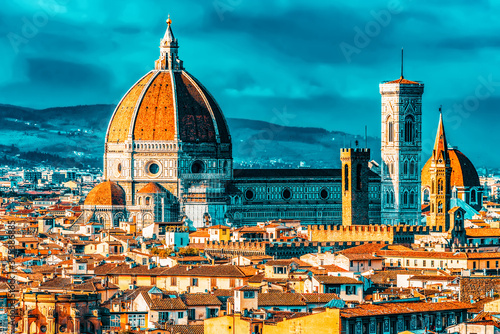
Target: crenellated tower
(355, 191)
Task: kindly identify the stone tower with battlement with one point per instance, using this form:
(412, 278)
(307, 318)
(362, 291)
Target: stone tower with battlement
(401, 151)
(355, 191)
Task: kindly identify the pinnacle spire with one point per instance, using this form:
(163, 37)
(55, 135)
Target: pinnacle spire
(169, 38)
(440, 145)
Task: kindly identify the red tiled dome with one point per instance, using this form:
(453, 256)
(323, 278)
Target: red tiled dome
(152, 188)
(165, 104)
(106, 193)
(168, 104)
(463, 172)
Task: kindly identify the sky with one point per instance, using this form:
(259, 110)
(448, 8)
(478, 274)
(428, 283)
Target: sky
(298, 63)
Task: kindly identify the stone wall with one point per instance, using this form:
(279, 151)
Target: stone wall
(369, 233)
(276, 250)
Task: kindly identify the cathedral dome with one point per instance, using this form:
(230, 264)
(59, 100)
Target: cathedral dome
(168, 104)
(463, 172)
(106, 193)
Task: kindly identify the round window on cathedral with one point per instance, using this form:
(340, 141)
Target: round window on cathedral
(197, 167)
(287, 194)
(62, 328)
(152, 168)
(323, 193)
(43, 328)
(249, 194)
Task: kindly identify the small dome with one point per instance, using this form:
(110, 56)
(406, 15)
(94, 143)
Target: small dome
(463, 172)
(106, 193)
(152, 188)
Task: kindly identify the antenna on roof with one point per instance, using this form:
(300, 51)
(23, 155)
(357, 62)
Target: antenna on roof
(366, 136)
(440, 109)
(402, 63)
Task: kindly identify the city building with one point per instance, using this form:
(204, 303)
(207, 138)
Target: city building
(170, 158)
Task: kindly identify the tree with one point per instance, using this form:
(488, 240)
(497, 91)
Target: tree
(188, 251)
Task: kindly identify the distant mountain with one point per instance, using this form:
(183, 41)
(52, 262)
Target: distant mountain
(74, 136)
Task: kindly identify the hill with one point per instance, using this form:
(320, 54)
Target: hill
(74, 136)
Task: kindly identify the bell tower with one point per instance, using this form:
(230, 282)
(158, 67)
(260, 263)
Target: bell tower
(440, 172)
(401, 151)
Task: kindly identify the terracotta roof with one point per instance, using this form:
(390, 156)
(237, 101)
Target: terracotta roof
(199, 234)
(364, 248)
(106, 193)
(280, 299)
(422, 254)
(200, 299)
(251, 229)
(463, 172)
(56, 283)
(152, 188)
(326, 279)
(183, 329)
(319, 297)
(219, 227)
(167, 304)
(403, 81)
(361, 257)
(483, 255)
(258, 278)
(385, 277)
(223, 292)
(329, 268)
(432, 278)
(159, 102)
(482, 232)
(218, 271)
(365, 310)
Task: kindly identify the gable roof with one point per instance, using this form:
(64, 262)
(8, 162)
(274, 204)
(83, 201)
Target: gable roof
(280, 299)
(325, 279)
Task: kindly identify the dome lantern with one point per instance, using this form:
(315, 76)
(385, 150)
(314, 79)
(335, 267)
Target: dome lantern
(169, 59)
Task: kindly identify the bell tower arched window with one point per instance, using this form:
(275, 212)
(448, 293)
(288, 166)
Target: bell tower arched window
(412, 198)
(390, 130)
(409, 129)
